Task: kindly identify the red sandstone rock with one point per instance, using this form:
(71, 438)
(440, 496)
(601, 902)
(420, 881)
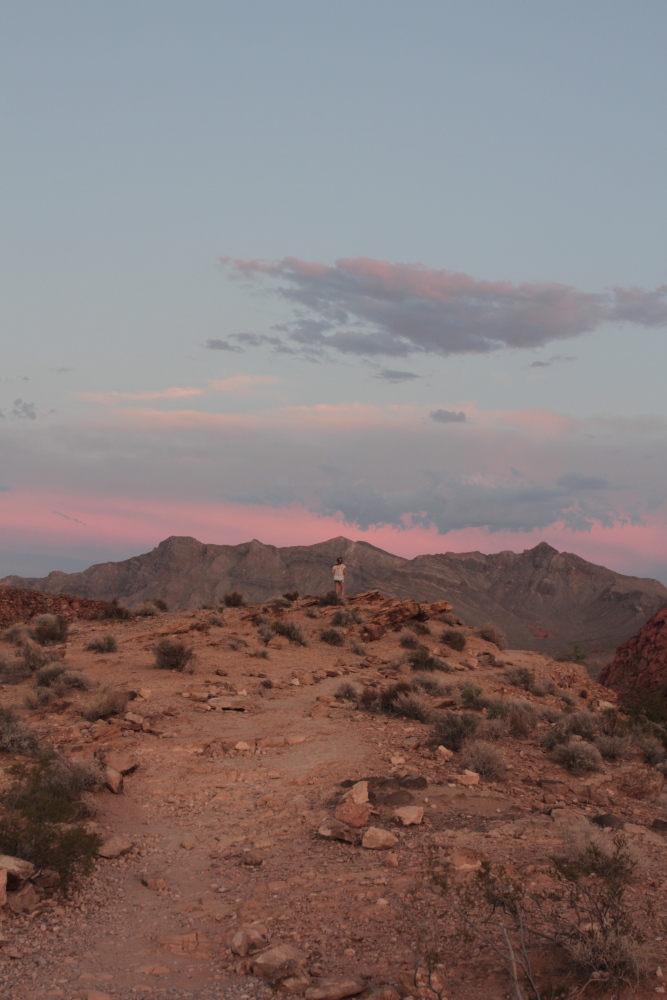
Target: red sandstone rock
(19, 605)
(640, 665)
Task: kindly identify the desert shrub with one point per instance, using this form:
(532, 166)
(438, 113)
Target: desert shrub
(215, 619)
(451, 730)
(17, 634)
(614, 747)
(344, 616)
(428, 683)
(497, 708)
(421, 659)
(333, 636)
(39, 813)
(521, 677)
(265, 633)
(160, 604)
(13, 670)
(420, 628)
(34, 656)
(58, 677)
(109, 702)
(550, 714)
(280, 602)
(38, 698)
(105, 644)
(236, 643)
(567, 699)
(408, 640)
(233, 599)
(473, 698)
(15, 736)
(493, 729)
(311, 613)
(479, 756)
(260, 654)
(555, 735)
(409, 707)
(651, 748)
(388, 695)
(369, 699)
(491, 633)
(291, 631)
(113, 610)
(49, 629)
(172, 654)
(291, 595)
(611, 723)
(347, 691)
(521, 719)
(542, 688)
(146, 610)
(453, 638)
(577, 756)
(583, 724)
(330, 599)
(357, 647)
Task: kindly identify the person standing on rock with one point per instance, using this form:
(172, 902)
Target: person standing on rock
(339, 570)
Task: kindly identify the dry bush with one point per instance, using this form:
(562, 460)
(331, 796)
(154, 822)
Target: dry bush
(172, 654)
(333, 636)
(49, 629)
(408, 640)
(291, 631)
(521, 677)
(614, 747)
(493, 729)
(330, 599)
(542, 688)
(13, 670)
(38, 698)
(15, 736)
(421, 659)
(112, 610)
(583, 724)
(421, 628)
(237, 642)
(479, 756)
(577, 756)
(215, 619)
(61, 680)
(260, 654)
(344, 616)
(429, 684)
(369, 699)
(451, 730)
(410, 707)
(311, 613)
(651, 749)
(491, 633)
(17, 634)
(453, 638)
(265, 633)
(347, 691)
(105, 644)
(109, 702)
(146, 610)
(291, 595)
(233, 599)
(160, 604)
(550, 714)
(473, 698)
(357, 647)
(35, 657)
(521, 719)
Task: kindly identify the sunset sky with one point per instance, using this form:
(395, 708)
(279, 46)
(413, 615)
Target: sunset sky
(290, 270)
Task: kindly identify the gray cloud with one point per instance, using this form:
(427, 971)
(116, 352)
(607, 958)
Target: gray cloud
(370, 307)
(552, 361)
(576, 481)
(68, 518)
(221, 345)
(392, 375)
(447, 416)
(24, 411)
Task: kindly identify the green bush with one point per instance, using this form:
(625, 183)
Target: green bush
(233, 599)
(38, 815)
(451, 730)
(172, 654)
(49, 629)
(105, 644)
(453, 638)
(333, 636)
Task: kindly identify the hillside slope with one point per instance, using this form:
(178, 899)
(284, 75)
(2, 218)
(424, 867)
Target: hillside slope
(543, 599)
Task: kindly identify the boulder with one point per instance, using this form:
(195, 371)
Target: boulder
(246, 941)
(333, 829)
(376, 839)
(353, 814)
(639, 667)
(467, 778)
(17, 869)
(121, 762)
(113, 780)
(266, 963)
(3, 886)
(335, 988)
(25, 900)
(289, 979)
(358, 793)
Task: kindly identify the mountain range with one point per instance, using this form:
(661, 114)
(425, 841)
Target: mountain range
(543, 599)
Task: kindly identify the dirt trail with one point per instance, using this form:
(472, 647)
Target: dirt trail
(227, 837)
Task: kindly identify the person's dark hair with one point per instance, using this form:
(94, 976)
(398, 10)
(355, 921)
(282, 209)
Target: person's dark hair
(339, 559)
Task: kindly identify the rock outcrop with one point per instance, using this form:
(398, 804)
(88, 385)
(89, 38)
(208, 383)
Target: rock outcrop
(543, 599)
(640, 665)
(19, 605)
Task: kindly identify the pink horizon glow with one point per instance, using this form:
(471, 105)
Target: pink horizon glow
(31, 520)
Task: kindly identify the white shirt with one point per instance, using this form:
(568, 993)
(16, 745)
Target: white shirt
(339, 572)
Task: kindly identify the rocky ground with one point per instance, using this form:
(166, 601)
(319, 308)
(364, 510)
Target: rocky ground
(239, 774)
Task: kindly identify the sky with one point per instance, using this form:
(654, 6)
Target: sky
(395, 271)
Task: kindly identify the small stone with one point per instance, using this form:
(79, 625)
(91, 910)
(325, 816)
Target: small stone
(464, 860)
(376, 839)
(290, 979)
(409, 815)
(187, 845)
(295, 682)
(658, 824)
(295, 741)
(96, 995)
(246, 941)
(242, 745)
(199, 696)
(271, 741)
(156, 884)
(144, 693)
(16, 868)
(320, 711)
(333, 829)
(336, 988)
(115, 847)
(356, 815)
(467, 778)
(121, 762)
(610, 822)
(251, 860)
(384, 993)
(268, 961)
(358, 794)
(397, 760)
(113, 780)
(391, 860)
(137, 720)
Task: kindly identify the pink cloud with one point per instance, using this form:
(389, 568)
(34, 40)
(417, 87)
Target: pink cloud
(110, 398)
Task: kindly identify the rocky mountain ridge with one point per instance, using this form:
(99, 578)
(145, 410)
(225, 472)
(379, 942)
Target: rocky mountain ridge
(543, 599)
(639, 667)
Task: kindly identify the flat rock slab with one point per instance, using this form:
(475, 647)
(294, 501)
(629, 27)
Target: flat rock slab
(115, 847)
(335, 988)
